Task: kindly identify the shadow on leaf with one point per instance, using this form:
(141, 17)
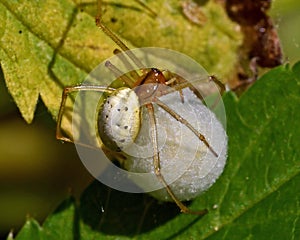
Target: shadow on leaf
(120, 213)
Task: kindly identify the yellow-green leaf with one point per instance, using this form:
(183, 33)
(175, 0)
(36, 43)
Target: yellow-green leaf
(46, 45)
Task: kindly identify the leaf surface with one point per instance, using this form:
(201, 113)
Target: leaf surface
(46, 45)
(257, 196)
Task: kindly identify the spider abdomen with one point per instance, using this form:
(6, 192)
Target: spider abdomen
(119, 119)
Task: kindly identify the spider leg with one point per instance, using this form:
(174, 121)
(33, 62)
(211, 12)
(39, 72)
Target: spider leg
(186, 123)
(154, 14)
(117, 72)
(127, 64)
(221, 87)
(174, 80)
(156, 162)
(114, 37)
(66, 92)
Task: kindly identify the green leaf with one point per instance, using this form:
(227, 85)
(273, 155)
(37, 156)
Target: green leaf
(31, 230)
(60, 225)
(257, 196)
(33, 55)
(46, 45)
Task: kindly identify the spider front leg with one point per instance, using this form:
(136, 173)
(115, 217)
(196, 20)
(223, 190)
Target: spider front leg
(156, 163)
(66, 92)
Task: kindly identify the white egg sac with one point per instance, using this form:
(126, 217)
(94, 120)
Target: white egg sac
(187, 165)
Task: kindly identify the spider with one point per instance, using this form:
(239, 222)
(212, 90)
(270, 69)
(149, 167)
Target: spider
(120, 116)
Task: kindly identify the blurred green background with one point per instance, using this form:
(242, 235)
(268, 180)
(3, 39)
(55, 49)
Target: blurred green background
(287, 19)
(37, 172)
